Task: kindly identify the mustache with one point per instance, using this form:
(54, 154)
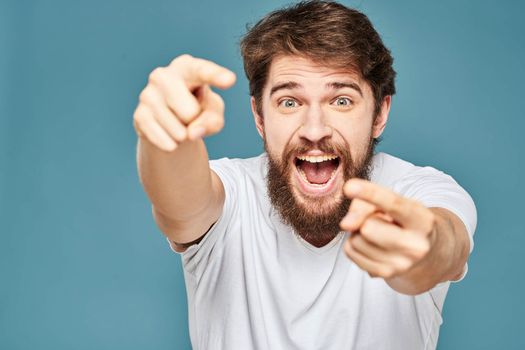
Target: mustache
(324, 145)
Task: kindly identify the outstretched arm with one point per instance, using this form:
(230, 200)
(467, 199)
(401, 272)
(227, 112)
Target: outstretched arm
(176, 109)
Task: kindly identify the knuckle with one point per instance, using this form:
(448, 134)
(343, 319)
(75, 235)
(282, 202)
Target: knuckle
(353, 241)
(137, 126)
(386, 271)
(418, 254)
(156, 75)
(191, 110)
(139, 116)
(367, 228)
(422, 249)
(141, 127)
(181, 136)
(182, 58)
(347, 249)
(214, 122)
(171, 101)
(146, 96)
(403, 265)
(218, 123)
(137, 120)
(425, 247)
(219, 101)
(199, 69)
(185, 111)
(399, 203)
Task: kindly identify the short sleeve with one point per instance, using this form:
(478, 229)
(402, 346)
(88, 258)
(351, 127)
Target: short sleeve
(196, 257)
(434, 188)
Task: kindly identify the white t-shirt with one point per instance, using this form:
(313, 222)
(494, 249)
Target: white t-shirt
(254, 284)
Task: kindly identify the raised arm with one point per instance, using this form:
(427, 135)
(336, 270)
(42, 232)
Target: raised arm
(175, 110)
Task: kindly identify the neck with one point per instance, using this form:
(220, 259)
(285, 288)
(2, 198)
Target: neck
(319, 241)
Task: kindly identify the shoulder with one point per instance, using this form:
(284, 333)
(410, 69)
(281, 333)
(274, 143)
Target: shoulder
(387, 169)
(246, 165)
(428, 185)
(237, 172)
(405, 177)
(245, 186)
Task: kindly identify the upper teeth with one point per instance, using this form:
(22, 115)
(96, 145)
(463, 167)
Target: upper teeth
(317, 159)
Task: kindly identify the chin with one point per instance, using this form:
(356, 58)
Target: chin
(318, 205)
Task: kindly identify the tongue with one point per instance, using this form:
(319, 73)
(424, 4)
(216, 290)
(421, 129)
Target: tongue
(318, 173)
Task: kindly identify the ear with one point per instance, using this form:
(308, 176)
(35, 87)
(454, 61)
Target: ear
(259, 122)
(381, 119)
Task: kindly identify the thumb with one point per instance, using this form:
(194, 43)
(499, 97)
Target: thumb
(211, 120)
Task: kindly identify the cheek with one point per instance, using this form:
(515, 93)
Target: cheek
(356, 133)
(275, 140)
(278, 134)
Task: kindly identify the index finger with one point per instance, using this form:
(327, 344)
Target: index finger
(404, 211)
(197, 72)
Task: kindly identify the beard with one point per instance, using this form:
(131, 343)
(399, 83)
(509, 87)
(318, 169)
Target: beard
(315, 219)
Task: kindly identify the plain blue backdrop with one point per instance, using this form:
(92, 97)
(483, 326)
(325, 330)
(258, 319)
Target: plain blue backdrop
(82, 265)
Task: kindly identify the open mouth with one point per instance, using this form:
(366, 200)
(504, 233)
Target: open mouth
(317, 171)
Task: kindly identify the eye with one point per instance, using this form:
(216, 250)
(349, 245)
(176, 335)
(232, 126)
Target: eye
(288, 103)
(342, 102)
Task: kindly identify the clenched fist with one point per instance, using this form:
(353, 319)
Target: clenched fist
(178, 104)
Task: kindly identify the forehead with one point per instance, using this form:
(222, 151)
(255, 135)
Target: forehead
(305, 71)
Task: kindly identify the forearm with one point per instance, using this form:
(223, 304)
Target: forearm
(445, 260)
(178, 183)
(176, 110)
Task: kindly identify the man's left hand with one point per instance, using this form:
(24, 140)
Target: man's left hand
(390, 234)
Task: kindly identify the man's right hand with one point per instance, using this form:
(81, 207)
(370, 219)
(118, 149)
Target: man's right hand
(178, 104)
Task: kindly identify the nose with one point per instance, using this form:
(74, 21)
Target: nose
(314, 127)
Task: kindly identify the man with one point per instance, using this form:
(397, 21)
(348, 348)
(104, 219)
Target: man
(318, 243)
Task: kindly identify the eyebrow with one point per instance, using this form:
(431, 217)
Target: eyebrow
(289, 85)
(336, 85)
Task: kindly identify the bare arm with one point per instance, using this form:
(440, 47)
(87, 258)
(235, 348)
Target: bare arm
(176, 109)
(186, 195)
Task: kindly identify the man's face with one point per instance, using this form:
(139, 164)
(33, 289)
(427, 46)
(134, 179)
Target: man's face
(318, 127)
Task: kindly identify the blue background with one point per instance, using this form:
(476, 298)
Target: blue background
(82, 265)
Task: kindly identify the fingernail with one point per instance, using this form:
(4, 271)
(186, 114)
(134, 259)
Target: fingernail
(197, 132)
(226, 77)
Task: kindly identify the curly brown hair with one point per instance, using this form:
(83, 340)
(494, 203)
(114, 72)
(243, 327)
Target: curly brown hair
(325, 32)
